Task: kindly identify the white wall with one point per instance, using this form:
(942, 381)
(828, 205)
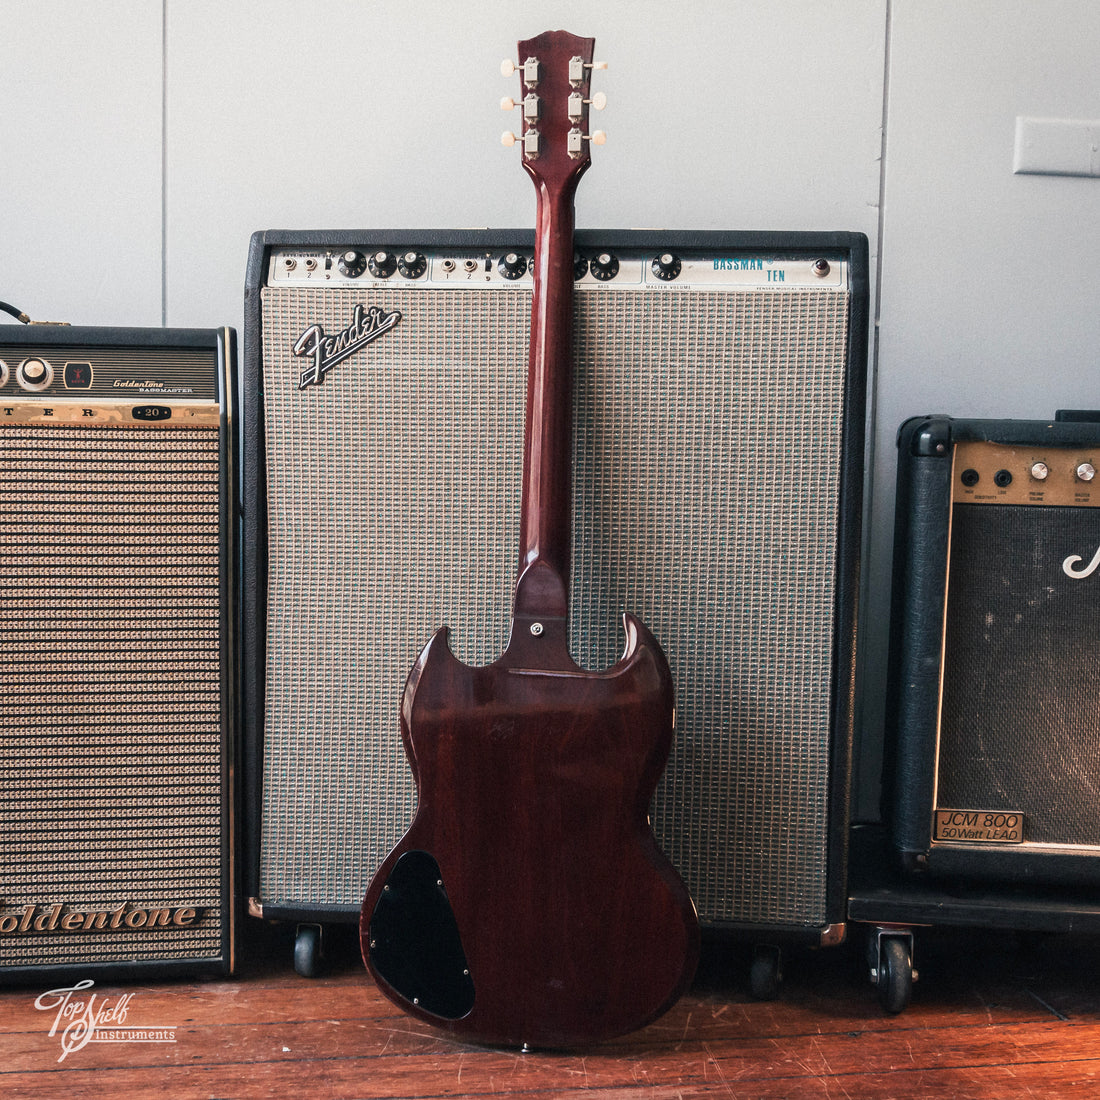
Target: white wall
(143, 142)
(80, 160)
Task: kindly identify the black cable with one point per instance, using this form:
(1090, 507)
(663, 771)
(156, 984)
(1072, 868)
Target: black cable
(18, 314)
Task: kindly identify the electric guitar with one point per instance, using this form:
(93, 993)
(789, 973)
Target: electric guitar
(528, 904)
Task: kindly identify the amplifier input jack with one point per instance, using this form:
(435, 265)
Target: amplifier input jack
(970, 478)
(1002, 479)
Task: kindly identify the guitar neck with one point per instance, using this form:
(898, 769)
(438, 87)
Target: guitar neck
(546, 509)
(546, 506)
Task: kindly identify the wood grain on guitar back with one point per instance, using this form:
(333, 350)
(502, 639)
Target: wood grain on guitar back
(534, 788)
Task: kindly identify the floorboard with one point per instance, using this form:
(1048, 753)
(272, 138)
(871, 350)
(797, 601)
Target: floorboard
(991, 1017)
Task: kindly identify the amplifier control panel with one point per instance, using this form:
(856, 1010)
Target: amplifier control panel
(998, 473)
(513, 267)
(60, 383)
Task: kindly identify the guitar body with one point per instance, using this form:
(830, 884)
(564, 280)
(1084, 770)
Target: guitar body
(528, 904)
(534, 784)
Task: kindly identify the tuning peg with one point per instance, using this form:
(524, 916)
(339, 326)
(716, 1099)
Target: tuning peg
(577, 102)
(531, 142)
(574, 141)
(577, 66)
(530, 70)
(531, 107)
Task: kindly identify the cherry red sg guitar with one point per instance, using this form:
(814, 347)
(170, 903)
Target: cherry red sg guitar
(528, 904)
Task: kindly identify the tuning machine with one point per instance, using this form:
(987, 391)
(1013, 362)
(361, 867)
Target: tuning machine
(531, 142)
(577, 65)
(574, 140)
(532, 107)
(530, 70)
(577, 101)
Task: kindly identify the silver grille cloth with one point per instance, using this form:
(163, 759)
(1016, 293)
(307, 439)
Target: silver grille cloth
(707, 455)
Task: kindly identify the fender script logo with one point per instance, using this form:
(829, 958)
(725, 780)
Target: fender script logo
(1069, 566)
(324, 352)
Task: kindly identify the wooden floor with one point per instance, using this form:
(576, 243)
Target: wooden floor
(990, 1017)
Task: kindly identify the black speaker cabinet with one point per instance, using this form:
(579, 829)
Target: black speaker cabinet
(996, 651)
(719, 389)
(117, 514)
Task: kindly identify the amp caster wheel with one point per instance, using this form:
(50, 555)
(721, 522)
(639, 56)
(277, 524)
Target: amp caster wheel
(891, 957)
(766, 972)
(307, 950)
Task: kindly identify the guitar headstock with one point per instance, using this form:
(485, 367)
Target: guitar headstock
(555, 88)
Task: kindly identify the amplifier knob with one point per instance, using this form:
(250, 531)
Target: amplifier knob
(666, 267)
(580, 266)
(605, 266)
(352, 264)
(512, 265)
(1085, 472)
(1040, 471)
(412, 265)
(3, 373)
(382, 264)
(35, 374)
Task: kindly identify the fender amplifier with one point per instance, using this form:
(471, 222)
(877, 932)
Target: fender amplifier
(996, 649)
(117, 512)
(719, 389)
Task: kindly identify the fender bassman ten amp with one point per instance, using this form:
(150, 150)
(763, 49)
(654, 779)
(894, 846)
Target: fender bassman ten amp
(996, 652)
(718, 450)
(117, 512)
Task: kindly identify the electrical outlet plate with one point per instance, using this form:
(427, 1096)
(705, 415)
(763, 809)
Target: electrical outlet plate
(1057, 147)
